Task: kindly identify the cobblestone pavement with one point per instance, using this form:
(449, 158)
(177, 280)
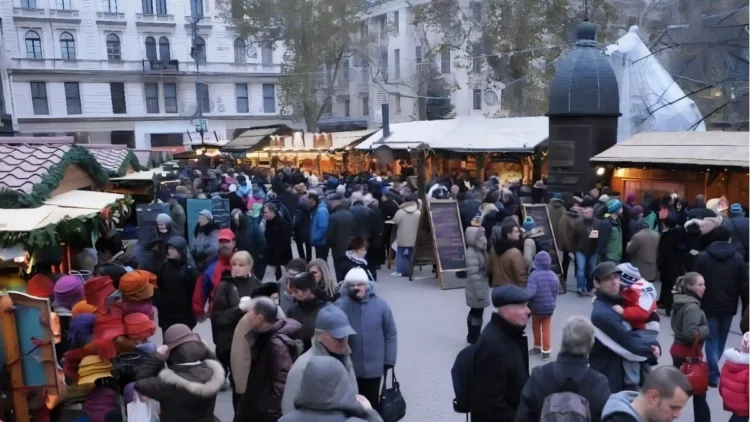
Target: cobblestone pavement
(432, 329)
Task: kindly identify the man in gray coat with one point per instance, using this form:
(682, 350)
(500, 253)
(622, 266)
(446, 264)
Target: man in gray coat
(332, 331)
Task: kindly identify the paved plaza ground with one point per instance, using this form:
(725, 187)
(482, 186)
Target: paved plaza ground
(432, 329)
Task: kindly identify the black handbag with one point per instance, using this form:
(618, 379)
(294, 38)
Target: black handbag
(392, 406)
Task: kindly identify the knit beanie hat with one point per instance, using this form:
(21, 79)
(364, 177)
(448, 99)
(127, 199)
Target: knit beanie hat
(745, 346)
(163, 219)
(356, 274)
(137, 285)
(735, 210)
(82, 308)
(97, 289)
(139, 326)
(68, 291)
(613, 205)
(529, 223)
(629, 274)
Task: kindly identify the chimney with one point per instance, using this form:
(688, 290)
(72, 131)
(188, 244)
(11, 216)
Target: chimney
(386, 123)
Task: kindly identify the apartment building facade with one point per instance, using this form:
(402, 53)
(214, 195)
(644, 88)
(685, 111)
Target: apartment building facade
(133, 72)
(395, 53)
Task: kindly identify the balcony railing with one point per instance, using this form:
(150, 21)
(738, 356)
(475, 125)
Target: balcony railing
(110, 16)
(147, 66)
(64, 13)
(146, 17)
(204, 20)
(30, 13)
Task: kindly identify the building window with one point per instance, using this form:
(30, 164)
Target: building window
(67, 46)
(476, 11)
(397, 63)
(109, 6)
(346, 71)
(151, 49)
(39, 98)
(240, 51)
(148, 7)
(114, 52)
(73, 97)
(28, 4)
(418, 55)
(164, 54)
(64, 5)
(152, 97)
(266, 54)
(33, 45)
(240, 92)
(395, 23)
(398, 103)
(477, 94)
(347, 107)
(476, 61)
(366, 106)
(170, 98)
(202, 97)
(384, 63)
(445, 61)
(196, 8)
(269, 98)
(199, 50)
(117, 94)
(161, 7)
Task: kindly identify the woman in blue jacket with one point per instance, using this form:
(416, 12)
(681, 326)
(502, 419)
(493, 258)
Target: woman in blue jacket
(318, 225)
(374, 346)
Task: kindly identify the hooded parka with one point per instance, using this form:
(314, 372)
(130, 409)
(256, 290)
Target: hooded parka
(477, 289)
(176, 283)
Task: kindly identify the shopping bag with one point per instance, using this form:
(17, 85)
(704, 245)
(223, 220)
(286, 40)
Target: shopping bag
(392, 406)
(142, 409)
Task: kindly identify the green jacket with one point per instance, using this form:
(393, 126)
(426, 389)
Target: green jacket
(609, 243)
(688, 319)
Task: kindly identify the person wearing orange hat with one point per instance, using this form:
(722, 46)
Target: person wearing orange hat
(211, 277)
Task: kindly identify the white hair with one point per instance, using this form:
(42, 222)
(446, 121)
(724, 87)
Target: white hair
(578, 336)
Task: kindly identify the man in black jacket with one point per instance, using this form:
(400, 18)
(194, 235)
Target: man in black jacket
(501, 358)
(662, 398)
(723, 268)
(570, 372)
(340, 230)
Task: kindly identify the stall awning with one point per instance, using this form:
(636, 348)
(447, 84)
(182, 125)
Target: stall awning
(467, 134)
(83, 199)
(28, 219)
(140, 175)
(250, 138)
(727, 149)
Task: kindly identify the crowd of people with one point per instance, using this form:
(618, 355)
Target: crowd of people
(298, 340)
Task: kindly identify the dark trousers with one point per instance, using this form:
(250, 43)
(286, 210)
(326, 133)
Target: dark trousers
(225, 360)
(337, 260)
(370, 388)
(373, 270)
(321, 252)
(701, 411)
(304, 250)
(565, 264)
(474, 324)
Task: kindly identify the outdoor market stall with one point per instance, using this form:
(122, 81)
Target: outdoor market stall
(511, 148)
(712, 164)
(117, 160)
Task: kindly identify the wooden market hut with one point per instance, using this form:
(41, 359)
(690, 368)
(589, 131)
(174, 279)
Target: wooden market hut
(687, 163)
(246, 141)
(511, 148)
(117, 160)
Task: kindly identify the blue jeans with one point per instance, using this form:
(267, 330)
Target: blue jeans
(403, 259)
(718, 331)
(584, 268)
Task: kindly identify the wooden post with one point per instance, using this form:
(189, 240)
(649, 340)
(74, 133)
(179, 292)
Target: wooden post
(480, 167)
(420, 174)
(13, 358)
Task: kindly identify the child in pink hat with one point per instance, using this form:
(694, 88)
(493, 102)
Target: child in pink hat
(733, 386)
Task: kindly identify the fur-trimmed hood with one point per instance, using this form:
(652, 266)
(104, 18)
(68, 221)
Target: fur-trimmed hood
(736, 356)
(203, 379)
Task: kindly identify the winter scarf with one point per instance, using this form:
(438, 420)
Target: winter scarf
(107, 328)
(68, 291)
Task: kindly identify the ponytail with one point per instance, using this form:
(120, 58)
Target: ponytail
(685, 282)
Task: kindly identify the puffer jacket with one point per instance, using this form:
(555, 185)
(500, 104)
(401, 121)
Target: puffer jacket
(272, 353)
(375, 344)
(688, 320)
(543, 285)
(326, 395)
(733, 386)
(407, 221)
(205, 243)
(726, 278)
(176, 283)
(186, 393)
(477, 289)
(319, 224)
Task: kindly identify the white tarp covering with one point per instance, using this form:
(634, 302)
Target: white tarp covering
(646, 91)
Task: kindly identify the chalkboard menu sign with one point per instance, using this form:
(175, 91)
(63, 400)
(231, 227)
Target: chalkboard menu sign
(449, 240)
(146, 217)
(220, 210)
(543, 232)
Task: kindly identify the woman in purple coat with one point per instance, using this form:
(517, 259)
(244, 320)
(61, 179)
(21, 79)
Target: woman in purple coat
(543, 284)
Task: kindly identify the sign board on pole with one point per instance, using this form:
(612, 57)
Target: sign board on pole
(201, 125)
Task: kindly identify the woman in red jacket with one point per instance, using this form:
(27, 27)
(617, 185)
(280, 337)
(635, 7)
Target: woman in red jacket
(733, 382)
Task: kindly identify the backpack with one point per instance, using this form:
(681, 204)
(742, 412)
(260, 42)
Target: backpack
(565, 405)
(461, 377)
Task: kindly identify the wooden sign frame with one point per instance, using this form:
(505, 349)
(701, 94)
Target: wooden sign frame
(435, 252)
(554, 239)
